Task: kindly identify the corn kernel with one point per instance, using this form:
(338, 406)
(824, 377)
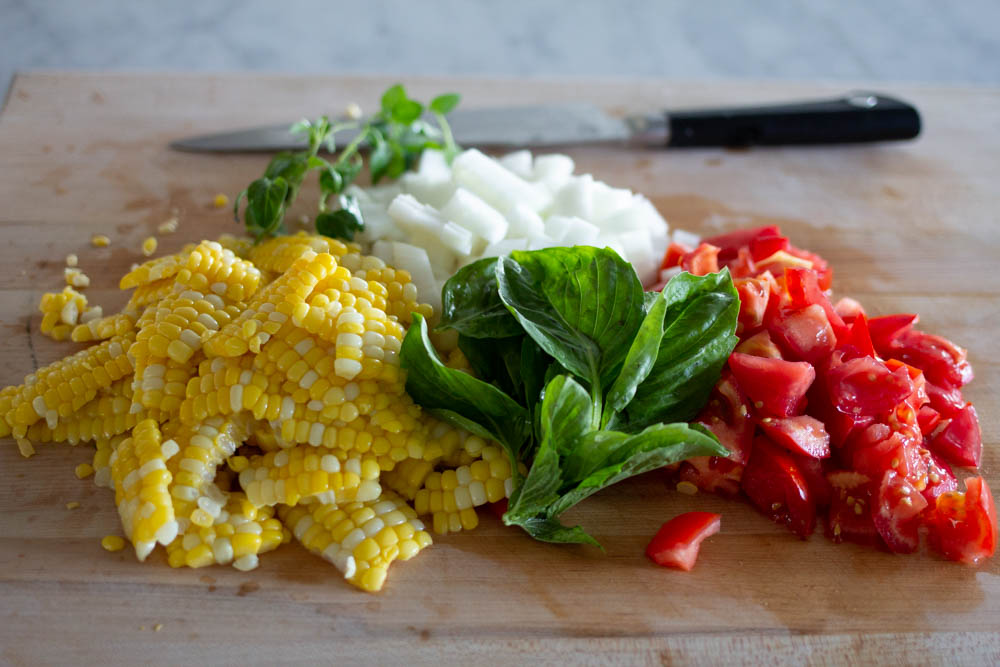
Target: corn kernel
(112, 543)
(220, 201)
(83, 470)
(100, 241)
(149, 246)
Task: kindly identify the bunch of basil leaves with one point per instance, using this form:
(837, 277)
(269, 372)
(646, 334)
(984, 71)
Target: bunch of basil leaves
(583, 378)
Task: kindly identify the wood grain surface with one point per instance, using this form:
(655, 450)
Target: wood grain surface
(908, 227)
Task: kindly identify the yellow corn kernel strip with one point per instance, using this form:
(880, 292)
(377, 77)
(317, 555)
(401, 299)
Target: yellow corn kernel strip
(103, 328)
(202, 449)
(289, 475)
(277, 255)
(155, 270)
(61, 388)
(451, 496)
(141, 479)
(359, 539)
(237, 536)
(212, 269)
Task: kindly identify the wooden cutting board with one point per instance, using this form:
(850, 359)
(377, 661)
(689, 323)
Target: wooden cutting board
(908, 227)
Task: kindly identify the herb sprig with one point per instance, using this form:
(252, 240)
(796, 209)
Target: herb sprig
(397, 134)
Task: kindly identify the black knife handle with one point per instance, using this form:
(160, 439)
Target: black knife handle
(856, 118)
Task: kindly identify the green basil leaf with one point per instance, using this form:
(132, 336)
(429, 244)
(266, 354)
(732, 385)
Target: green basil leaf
(393, 96)
(654, 447)
(540, 488)
(535, 364)
(265, 210)
(547, 529)
(565, 414)
(445, 103)
(639, 360)
(582, 305)
(495, 360)
(471, 305)
(698, 336)
(437, 387)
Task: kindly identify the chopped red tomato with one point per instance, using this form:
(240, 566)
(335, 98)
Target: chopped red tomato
(800, 435)
(940, 478)
(675, 251)
(822, 268)
(678, 541)
(885, 329)
(730, 243)
(887, 407)
(727, 415)
(942, 361)
(848, 309)
(764, 245)
(947, 401)
(959, 439)
(927, 418)
(702, 260)
(759, 345)
(963, 526)
(754, 293)
(777, 487)
(775, 386)
(897, 514)
(857, 341)
(866, 386)
(850, 517)
(804, 290)
(804, 334)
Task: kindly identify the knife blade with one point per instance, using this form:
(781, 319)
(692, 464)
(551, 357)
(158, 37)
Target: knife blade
(856, 117)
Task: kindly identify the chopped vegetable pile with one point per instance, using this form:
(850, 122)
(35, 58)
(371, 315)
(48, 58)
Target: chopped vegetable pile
(480, 336)
(829, 412)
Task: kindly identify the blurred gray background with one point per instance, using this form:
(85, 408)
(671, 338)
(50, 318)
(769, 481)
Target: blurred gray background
(875, 40)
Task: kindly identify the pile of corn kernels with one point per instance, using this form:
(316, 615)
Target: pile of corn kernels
(249, 394)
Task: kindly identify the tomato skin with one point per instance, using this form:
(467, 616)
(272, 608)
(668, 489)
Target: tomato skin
(927, 419)
(866, 386)
(814, 471)
(712, 474)
(730, 243)
(765, 245)
(702, 260)
(677, 542)
(800, 435)
(776, 386)
(885, 329)
(672, 258)
(804, 334)
(743, 266)
(897, 513)
(848, 309)
(824, 274)
(754, 294)
(943, 362)
(804, 290)
(947, 401)
(777, 487)
(963, 526)
(877, 448)
(857, 340)
(959, 438)
(759, 345)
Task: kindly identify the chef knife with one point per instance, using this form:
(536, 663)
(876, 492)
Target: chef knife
(857, 117)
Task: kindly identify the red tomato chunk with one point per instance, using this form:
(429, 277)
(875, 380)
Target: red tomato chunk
(678, 541)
